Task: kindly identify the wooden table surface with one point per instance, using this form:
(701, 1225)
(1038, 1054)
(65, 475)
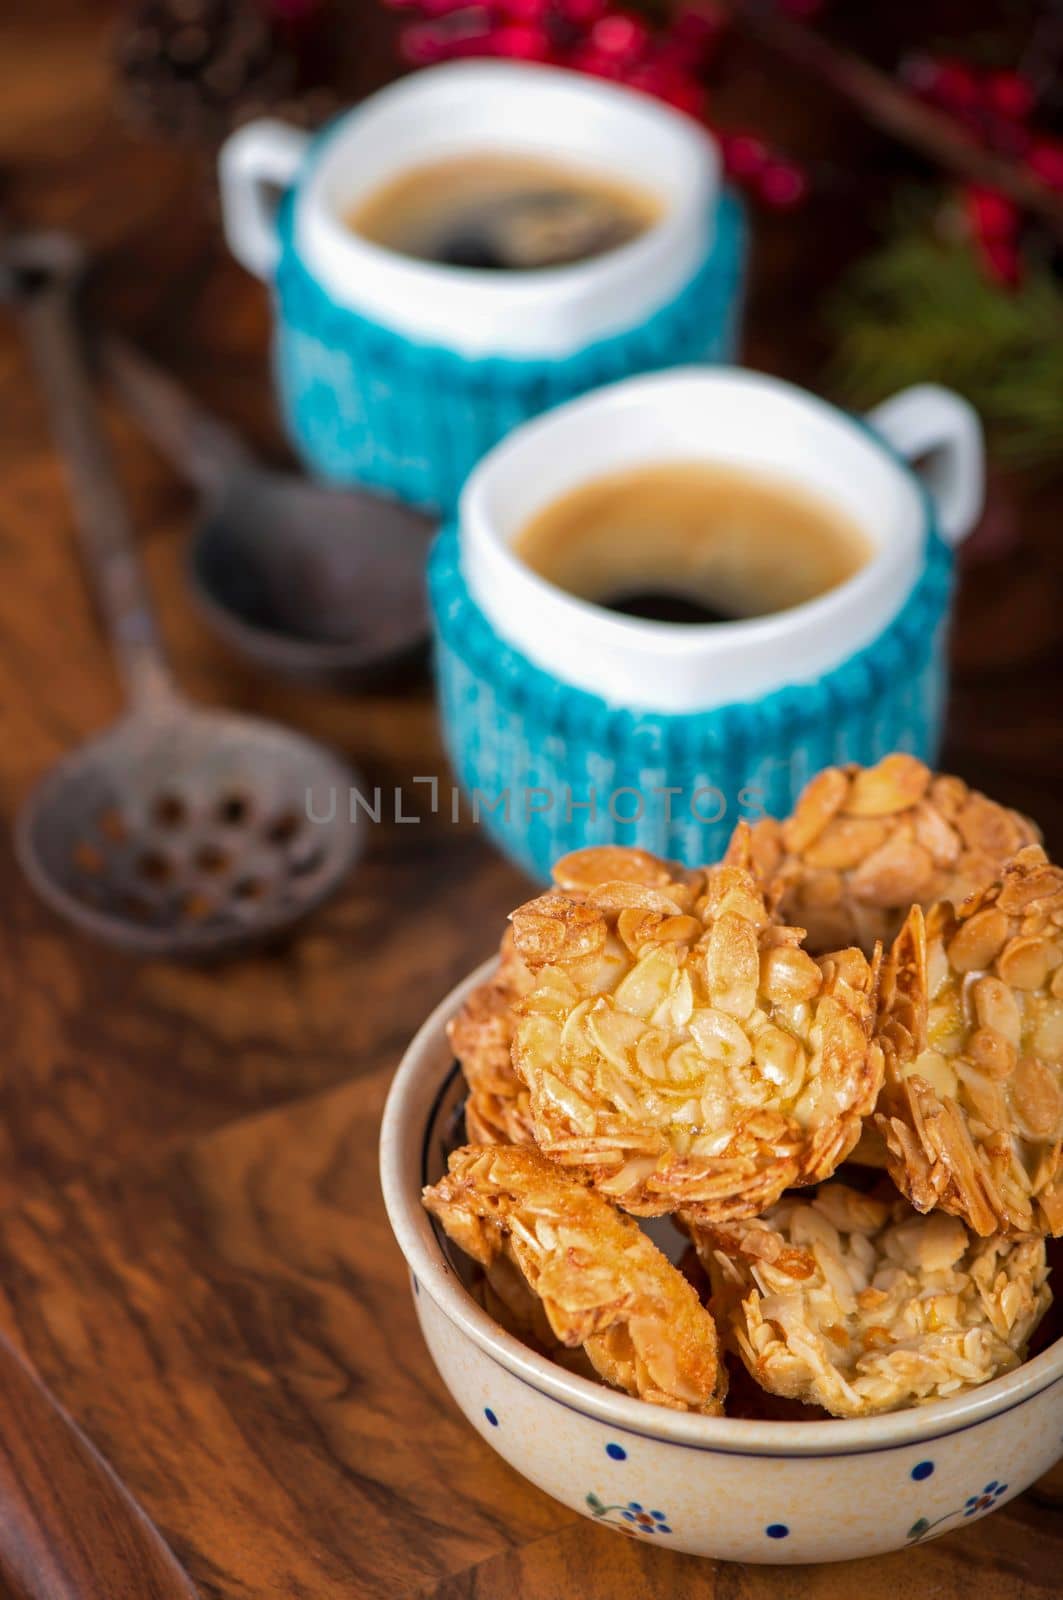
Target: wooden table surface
(193, 1250)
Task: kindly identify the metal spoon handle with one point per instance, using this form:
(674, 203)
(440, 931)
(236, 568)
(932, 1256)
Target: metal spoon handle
(202, 449)
(40, 274)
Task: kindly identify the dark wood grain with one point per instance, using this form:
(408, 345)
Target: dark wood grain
(69, 1529)
(235, 1330)
(587, 1564)
(192, 1246)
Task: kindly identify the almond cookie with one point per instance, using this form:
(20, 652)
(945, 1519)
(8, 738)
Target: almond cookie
(971, 1025)
(865, 844)
(505, 1296)
(680, 1048)
(602, 1283)
(861, 1305)
(481, 1034)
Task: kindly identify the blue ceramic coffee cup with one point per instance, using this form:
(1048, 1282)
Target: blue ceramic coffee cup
(570, 724)
(400, 373)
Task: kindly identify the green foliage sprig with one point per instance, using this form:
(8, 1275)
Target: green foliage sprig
(920, 309)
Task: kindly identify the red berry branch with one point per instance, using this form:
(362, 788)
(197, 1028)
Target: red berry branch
(671, 61)
(976, 125)
(996, 109)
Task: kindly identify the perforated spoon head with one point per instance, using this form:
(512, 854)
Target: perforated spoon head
(190, 833)
(179, 831)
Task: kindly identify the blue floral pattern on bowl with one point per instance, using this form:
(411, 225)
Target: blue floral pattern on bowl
(631, 1517)
(973, 1506)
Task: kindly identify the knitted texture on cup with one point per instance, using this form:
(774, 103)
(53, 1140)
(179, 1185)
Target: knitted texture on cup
(515, 731)
(365, 404)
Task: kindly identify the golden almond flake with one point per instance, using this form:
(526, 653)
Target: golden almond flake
(860, 1305)
(708, 1063)
(584, 870)
(481, 1035)
(556, 928)
(972, 1033)
(866, 843)
(601, 1283)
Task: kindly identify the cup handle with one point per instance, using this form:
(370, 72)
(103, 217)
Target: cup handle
(940, 426)
(263, 156)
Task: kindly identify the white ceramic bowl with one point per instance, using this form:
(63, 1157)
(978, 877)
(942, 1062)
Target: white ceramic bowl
(713, 1486)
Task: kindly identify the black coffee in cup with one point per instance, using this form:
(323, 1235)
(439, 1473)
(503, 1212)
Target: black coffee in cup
(498, 213)
(693, 542)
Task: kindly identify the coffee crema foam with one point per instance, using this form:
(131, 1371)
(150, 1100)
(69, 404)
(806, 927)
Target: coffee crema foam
(693, 542)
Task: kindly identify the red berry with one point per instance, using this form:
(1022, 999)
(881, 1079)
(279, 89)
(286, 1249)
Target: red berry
(522, 10)
(518, 41)
(620, 35)
(782, 185)
(681, 57)
(648, 77)
(685, 94)
(992, 215)
(744, 156)
(1011, 94)
(1045, 161)
(956, 86)
(580, 13)
(693, 39)
(661, 79)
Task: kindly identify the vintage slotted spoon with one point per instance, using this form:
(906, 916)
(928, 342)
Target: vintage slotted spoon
(179, 831)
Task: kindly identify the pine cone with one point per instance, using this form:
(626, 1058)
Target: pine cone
(193, 69)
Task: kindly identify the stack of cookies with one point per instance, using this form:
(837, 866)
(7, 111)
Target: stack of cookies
(834, 1059)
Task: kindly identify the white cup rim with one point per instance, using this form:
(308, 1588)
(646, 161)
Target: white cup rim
(516, 285)
(647, 268)
(890, 562)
